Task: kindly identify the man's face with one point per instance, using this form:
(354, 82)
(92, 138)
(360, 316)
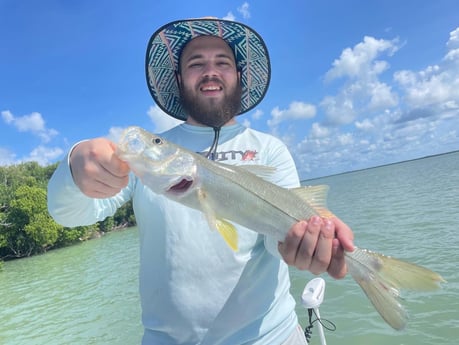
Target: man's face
(209, 81)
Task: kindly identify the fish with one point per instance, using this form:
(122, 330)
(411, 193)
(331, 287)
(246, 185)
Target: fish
(241, 194)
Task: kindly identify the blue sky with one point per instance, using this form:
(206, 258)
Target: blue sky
(355, 84)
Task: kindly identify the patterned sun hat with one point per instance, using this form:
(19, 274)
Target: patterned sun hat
(167, 43)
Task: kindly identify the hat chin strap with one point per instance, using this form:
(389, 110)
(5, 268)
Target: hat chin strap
(212, 154)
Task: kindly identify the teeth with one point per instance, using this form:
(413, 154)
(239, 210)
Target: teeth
(210, 88)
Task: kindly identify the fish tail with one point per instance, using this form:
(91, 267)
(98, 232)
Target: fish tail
(382, 277)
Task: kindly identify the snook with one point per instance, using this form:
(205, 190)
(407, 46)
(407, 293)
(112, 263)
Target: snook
(240, 194)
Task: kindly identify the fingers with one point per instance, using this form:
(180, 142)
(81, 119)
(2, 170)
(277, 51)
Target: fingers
(344, 234)
(337, 268)
(318, 246)
(96, 170)
(308, 245)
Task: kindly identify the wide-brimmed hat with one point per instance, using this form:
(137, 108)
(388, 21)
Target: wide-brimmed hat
(166, 45)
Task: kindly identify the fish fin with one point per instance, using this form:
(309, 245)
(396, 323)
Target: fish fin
(316, 196)
(406, 275)
(263, 171)
(382, 278)
(225, 228)
(228, 232)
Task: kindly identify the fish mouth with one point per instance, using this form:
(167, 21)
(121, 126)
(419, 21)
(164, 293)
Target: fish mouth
(182, 186)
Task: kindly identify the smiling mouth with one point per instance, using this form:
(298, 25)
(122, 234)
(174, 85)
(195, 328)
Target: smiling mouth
(210, 87)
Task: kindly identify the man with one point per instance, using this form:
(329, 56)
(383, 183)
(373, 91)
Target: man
(194, 289)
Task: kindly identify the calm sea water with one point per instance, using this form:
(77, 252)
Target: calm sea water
(87, 294)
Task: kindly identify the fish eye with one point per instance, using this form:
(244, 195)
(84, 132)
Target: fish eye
(157, 141)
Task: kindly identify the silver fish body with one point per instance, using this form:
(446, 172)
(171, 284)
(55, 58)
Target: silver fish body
(241, 194)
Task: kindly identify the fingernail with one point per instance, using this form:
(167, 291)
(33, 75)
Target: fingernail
(315, 220)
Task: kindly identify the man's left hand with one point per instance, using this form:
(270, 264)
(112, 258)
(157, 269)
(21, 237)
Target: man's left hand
(318, 245)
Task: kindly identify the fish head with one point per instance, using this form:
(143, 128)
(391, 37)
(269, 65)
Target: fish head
(161, 165)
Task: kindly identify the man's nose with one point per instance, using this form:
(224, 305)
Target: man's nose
(209, 70)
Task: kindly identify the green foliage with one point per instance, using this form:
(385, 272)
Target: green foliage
(26, 228)
(29, 229)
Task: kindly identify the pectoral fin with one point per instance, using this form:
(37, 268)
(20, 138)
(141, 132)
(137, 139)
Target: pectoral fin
(228, 232)
(225, 228)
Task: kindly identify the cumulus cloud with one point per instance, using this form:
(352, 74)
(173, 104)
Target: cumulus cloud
(44, 155)
(360, 61)
(453, 46)
(31, 123)
(362, 90)
(161, 120)
(257, 114)
(244, 10)
(318, 131)
(114, 133)
(409, 114)
(295, 111)
(229, 16)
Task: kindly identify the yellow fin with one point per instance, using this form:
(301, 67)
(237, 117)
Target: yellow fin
(225, 228)
(228, 232)
(316, 197)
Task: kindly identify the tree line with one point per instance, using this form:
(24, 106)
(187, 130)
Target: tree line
(26, 228)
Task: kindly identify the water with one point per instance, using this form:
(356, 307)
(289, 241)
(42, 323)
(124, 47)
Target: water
(84, 294)
(87, 294)
(409, 211)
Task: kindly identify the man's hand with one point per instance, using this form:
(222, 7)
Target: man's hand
(318, 245)
(96, 170)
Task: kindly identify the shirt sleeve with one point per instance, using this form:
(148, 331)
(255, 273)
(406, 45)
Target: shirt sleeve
(70, 207)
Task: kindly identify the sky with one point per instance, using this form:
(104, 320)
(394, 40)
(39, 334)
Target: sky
(355, 84)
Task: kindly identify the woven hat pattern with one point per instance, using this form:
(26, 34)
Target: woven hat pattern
(166, 45)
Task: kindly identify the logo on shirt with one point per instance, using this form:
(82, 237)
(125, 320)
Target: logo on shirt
(247, 155)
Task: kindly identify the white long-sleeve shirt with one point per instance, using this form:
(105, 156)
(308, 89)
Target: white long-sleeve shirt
(193, 288)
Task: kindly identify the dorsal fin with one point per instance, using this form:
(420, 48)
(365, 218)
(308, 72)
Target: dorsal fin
(316, 197)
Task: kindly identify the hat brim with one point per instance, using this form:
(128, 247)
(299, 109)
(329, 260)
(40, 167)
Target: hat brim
(166, 44)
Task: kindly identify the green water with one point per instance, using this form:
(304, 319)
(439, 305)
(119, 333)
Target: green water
(84, 294)
(87, 294)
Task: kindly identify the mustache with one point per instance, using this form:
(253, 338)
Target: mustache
(208, 79)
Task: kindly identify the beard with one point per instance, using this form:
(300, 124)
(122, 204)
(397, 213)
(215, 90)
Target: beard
(212, 112)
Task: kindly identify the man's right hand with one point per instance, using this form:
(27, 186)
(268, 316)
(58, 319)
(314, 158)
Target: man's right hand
(96, 170)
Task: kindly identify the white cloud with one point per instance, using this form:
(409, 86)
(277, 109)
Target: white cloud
(7, 157)
(318, 131)
(246, 123)
(229, 16)
(161, 120)
(365, 125)
(33, 123)
(360, 61)
(339, 110)
(244, 10)
(296, 111)
(44, 155)
(453, 42)
(361, 91)
(369, 122)
(114, 133)
(257, 114)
